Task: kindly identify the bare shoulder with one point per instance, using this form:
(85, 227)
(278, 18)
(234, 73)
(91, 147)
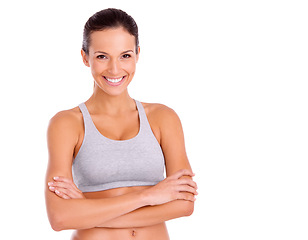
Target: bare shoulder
(161, 114)
(66, 121)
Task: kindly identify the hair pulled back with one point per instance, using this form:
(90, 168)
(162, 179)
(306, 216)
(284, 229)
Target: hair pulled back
(109, 18)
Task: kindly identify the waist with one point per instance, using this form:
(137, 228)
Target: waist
(154, 232)
(158, 231)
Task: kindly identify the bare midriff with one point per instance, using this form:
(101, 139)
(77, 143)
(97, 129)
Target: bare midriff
(154, 232)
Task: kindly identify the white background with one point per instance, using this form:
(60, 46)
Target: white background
(234, 71)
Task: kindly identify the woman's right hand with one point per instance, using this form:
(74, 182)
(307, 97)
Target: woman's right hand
(172, 188)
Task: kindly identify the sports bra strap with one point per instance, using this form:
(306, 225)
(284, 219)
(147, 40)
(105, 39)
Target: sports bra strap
(88, 123)
(102, 163)
(91, 129)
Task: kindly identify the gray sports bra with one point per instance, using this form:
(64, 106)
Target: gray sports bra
(103, 163)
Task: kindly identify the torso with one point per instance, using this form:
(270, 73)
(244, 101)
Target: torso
(129, 125)
(155, 232)
(129, 129)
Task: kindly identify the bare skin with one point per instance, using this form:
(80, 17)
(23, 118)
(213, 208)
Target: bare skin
(121, 213)
(157, 231)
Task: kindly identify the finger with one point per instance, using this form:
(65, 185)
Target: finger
(61, 194)
(62, 179)
(188, 182)
(181, 173)
(65, 180)
(52, 189)
(71, 193)
(186, 188)
(61, 184)
(68, 193)
(65, 183)
(186, 196)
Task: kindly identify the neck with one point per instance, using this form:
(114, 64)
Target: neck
(112, 104)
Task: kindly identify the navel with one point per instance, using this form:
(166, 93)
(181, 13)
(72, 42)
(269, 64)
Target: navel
(133, 233)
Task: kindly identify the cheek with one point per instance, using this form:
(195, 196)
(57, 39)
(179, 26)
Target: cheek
(96, 67)
(131, 67)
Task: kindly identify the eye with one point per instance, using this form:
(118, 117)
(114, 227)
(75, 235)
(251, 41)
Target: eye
(101, 57)
(126, 56)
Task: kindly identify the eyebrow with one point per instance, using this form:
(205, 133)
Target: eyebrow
(108, 54)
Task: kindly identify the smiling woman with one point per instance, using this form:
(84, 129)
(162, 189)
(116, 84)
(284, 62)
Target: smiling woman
(107, 157)
(111, 59)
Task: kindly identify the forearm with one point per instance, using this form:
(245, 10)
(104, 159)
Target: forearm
(89, 213)
(151, 215)
(80, 213)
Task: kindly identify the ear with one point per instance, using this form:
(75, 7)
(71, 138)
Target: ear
(137, 57)
(85, 58)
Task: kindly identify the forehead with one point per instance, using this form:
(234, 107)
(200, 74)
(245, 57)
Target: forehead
(111, 40)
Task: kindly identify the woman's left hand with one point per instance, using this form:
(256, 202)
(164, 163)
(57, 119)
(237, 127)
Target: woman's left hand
(65, 188)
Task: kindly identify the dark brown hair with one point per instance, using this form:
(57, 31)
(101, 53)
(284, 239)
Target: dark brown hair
(109, 18)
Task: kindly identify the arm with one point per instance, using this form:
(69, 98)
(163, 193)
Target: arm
(151, 215)
(173, 146)
(62, 137)
(181, 189)
(88, 213)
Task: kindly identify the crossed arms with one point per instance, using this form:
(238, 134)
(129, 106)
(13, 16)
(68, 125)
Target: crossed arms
(67, 208)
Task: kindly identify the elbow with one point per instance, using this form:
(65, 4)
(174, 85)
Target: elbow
(56, 228)
(188, 208)
(56, 224)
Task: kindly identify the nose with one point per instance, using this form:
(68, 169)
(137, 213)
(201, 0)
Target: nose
(114, 67)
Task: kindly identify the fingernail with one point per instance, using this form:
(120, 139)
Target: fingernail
(56, 178)
(52, 188)
(50, 183)
(57, 192)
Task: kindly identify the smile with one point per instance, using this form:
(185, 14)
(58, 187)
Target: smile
(114, 80)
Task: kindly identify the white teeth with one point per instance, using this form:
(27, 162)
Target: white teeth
(114, 80)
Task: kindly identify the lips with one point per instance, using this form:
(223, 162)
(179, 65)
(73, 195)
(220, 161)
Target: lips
(114, 81)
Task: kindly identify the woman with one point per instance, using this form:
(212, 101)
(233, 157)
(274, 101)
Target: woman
(115, 148)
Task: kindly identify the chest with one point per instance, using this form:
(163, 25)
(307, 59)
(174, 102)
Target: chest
(105, 164)
(117, 152)
(121, 127)
(118, 128)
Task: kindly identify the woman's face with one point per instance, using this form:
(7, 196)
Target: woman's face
(112, 58)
